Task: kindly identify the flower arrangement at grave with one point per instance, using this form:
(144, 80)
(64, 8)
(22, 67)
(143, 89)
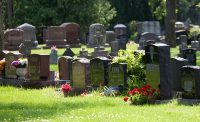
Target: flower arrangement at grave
(20, 63)
(2, 64)
(66, 88)
(142, 95)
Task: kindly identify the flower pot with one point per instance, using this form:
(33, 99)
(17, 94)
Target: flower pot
(21, 72)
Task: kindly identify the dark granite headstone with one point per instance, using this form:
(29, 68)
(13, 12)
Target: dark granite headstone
(114, 47)
(80, 74)
(157, 59)
(117, 73)
(99, 71)
(190, 54)
(176, 64)
(65, 67)
(190, 82)
(110, 36)
(68, 52)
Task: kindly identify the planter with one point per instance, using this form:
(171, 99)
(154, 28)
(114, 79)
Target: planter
(21, 72)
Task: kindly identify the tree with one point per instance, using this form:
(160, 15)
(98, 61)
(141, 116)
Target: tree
(10, 11)
(170, 23)
(1, 25)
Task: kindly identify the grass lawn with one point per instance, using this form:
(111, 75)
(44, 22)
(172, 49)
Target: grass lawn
(47, 104)
(17, 104)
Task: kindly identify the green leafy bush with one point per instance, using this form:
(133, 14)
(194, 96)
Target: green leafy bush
(194, 32)
(135, 67)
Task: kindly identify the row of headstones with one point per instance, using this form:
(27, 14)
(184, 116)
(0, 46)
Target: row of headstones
(38, 66)
(173, 75)
(96, 72)
(56, 35)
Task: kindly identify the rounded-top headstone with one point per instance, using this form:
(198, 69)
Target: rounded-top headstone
(120, 29)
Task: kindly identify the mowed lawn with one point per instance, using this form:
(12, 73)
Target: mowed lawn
(47, 104)
(17, 104)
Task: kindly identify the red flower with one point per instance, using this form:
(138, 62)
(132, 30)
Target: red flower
(145, 93)
(66, 87)
(153, 90)
(125, 99)
(148, 86)
(130, 92)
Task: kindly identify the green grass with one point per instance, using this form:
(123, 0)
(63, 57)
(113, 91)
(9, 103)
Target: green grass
(17, 104)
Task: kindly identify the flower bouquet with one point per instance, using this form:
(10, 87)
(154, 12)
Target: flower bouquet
(143, 95)
(20, 63)
(66, 88)
(2, 64)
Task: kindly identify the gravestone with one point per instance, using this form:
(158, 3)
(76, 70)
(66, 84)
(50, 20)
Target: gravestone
(190, 54)
(149, 26)
(149, 36)
(99, 51)
(65, 67)
(68, 52)
(99, 71)
(25, 48)
(179, 26)
(10, 71)
(176, 64)
(187, 23)
(195, 45)
(56, 36)
(29, 34)
(80, 74)
(13, 38)
(121, 35)
(114, 48)
(183, 39)
(157, 60)
(53, 59)
(72, 34)
(110, 36)
(190, 79)
(117, 74)
(38, 67)
(83, 53)
(97, 35)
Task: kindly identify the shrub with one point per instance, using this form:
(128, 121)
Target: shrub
(135, 67)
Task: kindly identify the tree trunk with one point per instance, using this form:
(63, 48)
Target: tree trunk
(10, 12)
(1, 25)
(170, 22)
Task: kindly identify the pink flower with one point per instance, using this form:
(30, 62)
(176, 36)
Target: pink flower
(66, 87)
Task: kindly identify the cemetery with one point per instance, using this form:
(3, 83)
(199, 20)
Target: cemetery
(90, 61)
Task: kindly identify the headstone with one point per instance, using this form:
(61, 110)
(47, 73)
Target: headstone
(25, 48)
(53, 59)
(149, 26)
(38, 67)
(190, 79)
(68, 52)
(179, 26)
(195, 45)
(117, 73)
(72, 34)
(110, 36)
(99, 51)
(29, 34)
(80, 74)
(187, 23)
(176, 64)
(99, 71)
(56, 36)
(182, 47)
(13, 38)
(183, 39)
(83, 53)
(190, 54)
(10, 71)
(97, 35)
(121, 35)
(114, 48)
(149, 36)
(157, 59)
(65, 67)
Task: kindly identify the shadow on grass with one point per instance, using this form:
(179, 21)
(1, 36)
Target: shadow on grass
(33, 111)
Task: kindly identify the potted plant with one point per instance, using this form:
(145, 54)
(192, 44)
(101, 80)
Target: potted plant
(21, 67)
(66, 88)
